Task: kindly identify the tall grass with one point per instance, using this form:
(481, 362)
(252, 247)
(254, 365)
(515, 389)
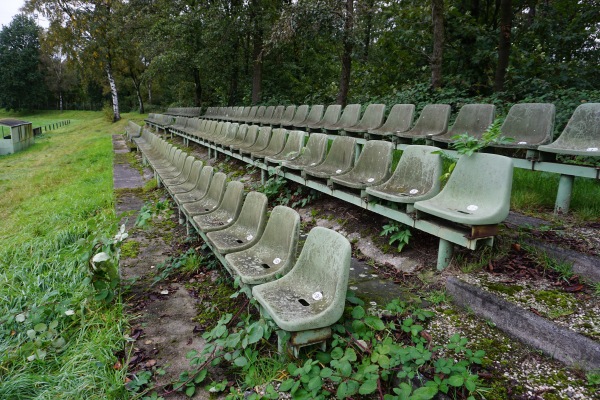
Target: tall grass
(55, 198)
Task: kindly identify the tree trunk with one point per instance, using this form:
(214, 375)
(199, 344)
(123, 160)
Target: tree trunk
(149, 88)
(342, 97)
(257, 71)
(504, 43)
(197, 88)
(60, 99)
(113, 92)
(137, 85)
(437, 18)
(368, 29)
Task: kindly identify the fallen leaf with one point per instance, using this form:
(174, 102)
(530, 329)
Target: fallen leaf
(164, 292)
(117, 366)
(150, 363)
(148, 342)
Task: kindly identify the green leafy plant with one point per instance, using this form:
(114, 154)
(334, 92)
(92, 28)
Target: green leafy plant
(397, 234)
(104, 265)
(149, 210)
(186, 262)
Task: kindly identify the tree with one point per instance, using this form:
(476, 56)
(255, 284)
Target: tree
(21, 81)
(88, 30)
(437, 17)
(504, 43)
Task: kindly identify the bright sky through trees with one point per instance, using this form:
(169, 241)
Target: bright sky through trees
(10, 8)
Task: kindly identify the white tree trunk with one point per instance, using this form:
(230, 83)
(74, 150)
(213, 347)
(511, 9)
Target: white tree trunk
(61, 101)
(113, 92)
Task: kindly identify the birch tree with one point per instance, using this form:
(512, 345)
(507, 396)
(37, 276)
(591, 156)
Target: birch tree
(86, 28)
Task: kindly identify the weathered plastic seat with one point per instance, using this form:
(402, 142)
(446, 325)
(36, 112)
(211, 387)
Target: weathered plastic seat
(238, 139)
(288, 115)
(339, 160)
(183, 176)
(581, 136)
(266, 116)
(251, 115)
(529, 125)
(132, 130)
(276, 117)
(276, 145)
(312, 295)
(432, 121)
(350, 117)
(416, 178)
(477, 192)
(371, 119)
(200, 190)
(229, 135)
(399, 119)
(227, 212)
(249, 139)
(171, 169)
(331, 116)
(299, 117)
(274, 254)
(373, 166)
(292, 149)
(247, 229)
(259, 114)
(211, 201)
(314, 116)
(261, 143)
(191, 182)
(311, 155)
(472, 119)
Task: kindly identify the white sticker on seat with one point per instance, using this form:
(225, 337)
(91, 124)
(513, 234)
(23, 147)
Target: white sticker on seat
(472, 207)
(370, 179)
(591, 149)
(313, 164)
(249, 237)
(229, 220)
(317, 296)
(337, 171)
(414, 191)
(277, 261)
(522, 143)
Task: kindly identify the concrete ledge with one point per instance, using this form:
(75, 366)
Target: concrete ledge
(584, 265)
(558, 342)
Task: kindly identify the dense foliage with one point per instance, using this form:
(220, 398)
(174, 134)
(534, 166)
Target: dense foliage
(196, 52)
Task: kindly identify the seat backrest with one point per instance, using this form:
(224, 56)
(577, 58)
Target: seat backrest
(529, 124)
(300, 115)
(418, 172)
(217, 187)
(206, 175)
(254, 212)
(473, 119)
(281, 233)
(268, 114)
(264, 136)
(288, 114)
(316, 147)
(195, 171)
(233, 198)
(241, 133)
(350, 116)
(231, 132)
(432, 121)
(342, 152)
(251, 114)
(277, 114)
(277, 141)
(315, 115)
(251, 136)
(322, 269)
(480, 181)
(293, 144)
(582, 130)
(375, 160)
(332, 115)
(372, 118)
(259, 113)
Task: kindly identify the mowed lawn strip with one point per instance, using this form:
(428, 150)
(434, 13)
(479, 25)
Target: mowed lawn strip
(56, 197)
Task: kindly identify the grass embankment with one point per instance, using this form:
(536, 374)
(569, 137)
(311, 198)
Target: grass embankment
(56, 197)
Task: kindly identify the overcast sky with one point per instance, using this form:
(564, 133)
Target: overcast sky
(10, 8)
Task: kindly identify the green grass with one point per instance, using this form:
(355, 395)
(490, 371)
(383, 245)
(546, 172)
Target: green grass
(535, 193)
(57, 196)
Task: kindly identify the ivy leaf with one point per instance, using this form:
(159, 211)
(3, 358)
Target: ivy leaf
(189, 392)
(241, 361)
(200, 377)
(326, 372)
(315, 383)
(375, 323)
(368, 387)
(337, 353)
